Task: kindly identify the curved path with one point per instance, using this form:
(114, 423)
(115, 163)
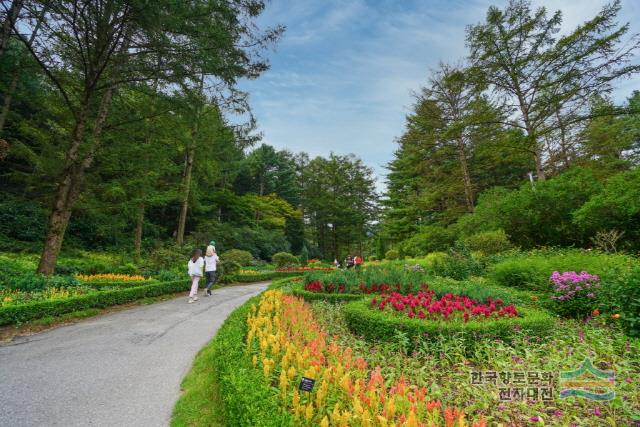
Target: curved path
(121, 369)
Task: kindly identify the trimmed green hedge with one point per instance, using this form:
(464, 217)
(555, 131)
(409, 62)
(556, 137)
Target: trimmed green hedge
(299, 291)
(35, 310)
(262, 276)
(118, 284)
(382, 325)
(247, 399)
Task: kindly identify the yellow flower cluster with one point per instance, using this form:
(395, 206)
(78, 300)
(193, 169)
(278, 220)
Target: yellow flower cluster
(110, 277)
(249, 272)
(286, 343)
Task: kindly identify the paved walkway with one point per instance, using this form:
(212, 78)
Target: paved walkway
(121, 369)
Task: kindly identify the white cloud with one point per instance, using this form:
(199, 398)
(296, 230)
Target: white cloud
(342, 77)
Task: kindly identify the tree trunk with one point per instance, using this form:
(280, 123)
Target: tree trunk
(466, 177)
(9, 22)
(8, 97)
(6, 106)
(71, 184)
(182, 219)
(537, 157)
(137, 244)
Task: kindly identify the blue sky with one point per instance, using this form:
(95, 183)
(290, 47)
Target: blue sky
(342, 76)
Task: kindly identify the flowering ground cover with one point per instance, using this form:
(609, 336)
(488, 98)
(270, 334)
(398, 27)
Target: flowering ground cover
(304, 269)
(286, 343)
(424, 305)
(444, 365)
(111, 277)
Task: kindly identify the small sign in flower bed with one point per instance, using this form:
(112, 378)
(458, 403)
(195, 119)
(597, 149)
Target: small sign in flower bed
(423, 314)
(286, 344)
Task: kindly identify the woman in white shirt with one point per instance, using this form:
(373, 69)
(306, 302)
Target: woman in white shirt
(210, 265)
(195, 271)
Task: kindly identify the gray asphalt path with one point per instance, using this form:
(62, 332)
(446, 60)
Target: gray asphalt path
(121, 369)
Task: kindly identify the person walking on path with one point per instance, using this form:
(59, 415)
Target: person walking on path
(195, 265)
(210, 266)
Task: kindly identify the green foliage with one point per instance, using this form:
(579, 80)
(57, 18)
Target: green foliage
(488, 242)
(336, 297)
(427, 239)
(392, 254)
(166, 258)
(285, 259)
(531, 270)
(247, 400)
(304, 255)
(621, 295)
(376, 325)
(540, 215)
(458, 264)
(617, 206)
(35, 310)
(243, 258)
(263, 276)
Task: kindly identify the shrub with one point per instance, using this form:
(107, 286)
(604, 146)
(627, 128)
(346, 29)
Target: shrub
(285, 259)
(372, 258)
(166, 258)
(243, 258)
(574, 294)
(620, 295)
(488, 242)
(382, 325)
(458, 264)
(429, 238)
(392, 254)
(531, 270)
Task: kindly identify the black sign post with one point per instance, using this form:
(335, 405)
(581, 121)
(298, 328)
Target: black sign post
(306, 384)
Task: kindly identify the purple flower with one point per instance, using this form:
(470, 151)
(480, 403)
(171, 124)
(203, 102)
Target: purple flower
(535, 418)
(596, 412)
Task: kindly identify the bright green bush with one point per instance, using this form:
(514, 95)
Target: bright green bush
(391, 255)
(379, 325)
(617, 206)
(620, 294)
(35, 310)
(429, 238)
(458, 264)
(488, 242)
(285, 259)
(243, 258)
(531, 270)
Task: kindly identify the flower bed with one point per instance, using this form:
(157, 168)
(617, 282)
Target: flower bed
(424, 305)
(300, 290)
(365, 318)
(304, 269)
(99, 299)
(285, 343)
(110, 277)
(574, 294)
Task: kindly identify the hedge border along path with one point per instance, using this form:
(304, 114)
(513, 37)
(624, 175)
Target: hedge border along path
(121, 284)
(299, 291)
(101, 299)
(243, 398)
(374, 324)
(262, 276)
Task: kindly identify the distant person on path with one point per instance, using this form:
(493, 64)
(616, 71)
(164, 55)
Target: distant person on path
(210, 266)
(357, 261)
(336, 263)
(349, 261)
(195, 265)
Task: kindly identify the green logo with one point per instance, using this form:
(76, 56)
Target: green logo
(587, 381)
